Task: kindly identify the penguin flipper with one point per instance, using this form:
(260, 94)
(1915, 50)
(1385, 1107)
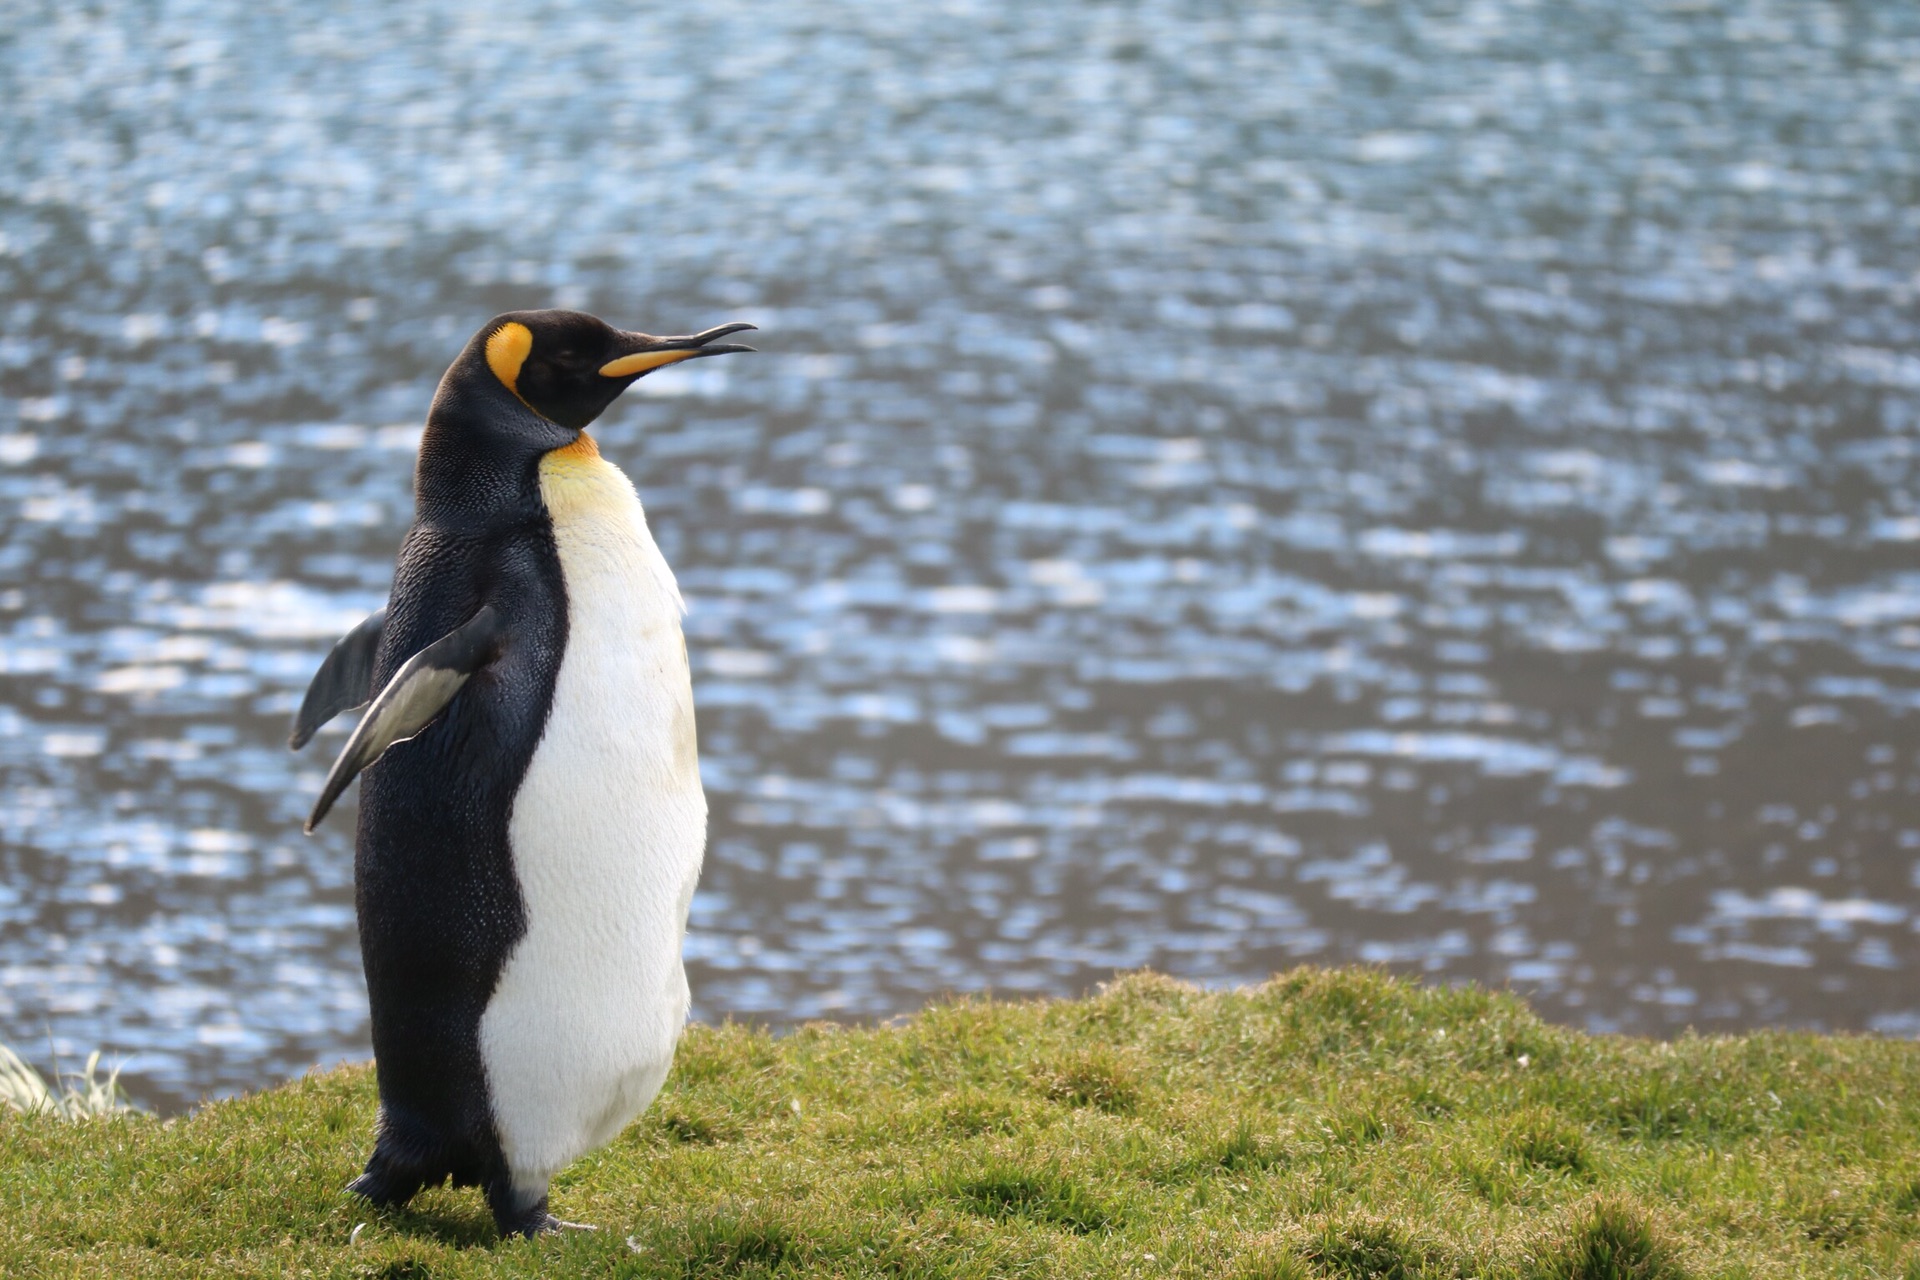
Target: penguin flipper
(418, 692)
(343, 682)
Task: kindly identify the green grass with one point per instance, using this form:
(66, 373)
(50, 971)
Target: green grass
(1326, 1124)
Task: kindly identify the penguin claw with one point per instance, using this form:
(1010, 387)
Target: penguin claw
(547, 1226)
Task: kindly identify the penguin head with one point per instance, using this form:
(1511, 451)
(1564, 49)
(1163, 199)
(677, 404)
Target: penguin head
(568, 366)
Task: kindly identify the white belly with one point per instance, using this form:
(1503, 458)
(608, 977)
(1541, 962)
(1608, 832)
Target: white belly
(607, 834)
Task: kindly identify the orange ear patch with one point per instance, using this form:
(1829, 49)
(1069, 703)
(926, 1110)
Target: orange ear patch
(507, 350)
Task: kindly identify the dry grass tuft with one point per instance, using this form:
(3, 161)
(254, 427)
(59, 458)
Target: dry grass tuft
(76, 1096)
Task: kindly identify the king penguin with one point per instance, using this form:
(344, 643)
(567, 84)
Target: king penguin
(531, 817)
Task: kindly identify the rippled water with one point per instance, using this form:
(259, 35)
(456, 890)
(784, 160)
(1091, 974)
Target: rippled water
(1420, 484)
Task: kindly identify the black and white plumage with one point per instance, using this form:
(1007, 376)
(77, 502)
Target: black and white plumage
(531, 818)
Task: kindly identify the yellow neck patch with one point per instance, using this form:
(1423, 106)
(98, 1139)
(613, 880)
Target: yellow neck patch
(581, 450)
(576, 484)
(507, 350)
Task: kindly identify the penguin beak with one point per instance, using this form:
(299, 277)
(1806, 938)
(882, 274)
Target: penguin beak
(643, 353)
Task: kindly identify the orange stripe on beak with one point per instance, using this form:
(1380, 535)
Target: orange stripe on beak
(642, 361)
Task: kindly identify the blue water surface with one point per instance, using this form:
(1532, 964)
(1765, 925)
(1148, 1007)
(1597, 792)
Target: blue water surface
(1427, 484)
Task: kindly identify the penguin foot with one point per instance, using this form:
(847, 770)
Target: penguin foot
(515, 1216)
(407, 1155)
(386, 1186)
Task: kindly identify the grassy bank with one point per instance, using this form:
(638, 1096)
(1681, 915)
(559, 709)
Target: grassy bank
(1325, 1124)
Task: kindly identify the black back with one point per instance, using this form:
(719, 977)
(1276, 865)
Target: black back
(438, 903)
